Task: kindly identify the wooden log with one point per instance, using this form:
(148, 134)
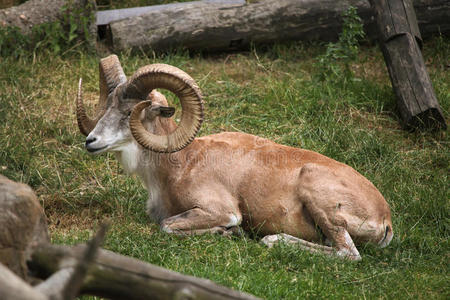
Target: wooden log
(105, 17)
(119, 277)
(221, 26)
(216, 26)
(400, 42)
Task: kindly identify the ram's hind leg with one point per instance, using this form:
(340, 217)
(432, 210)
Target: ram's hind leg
(340, 238)
(353, 254)
(319, 191)
(271, 240)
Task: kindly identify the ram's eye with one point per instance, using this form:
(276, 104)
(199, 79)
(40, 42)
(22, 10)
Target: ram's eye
(129, 113)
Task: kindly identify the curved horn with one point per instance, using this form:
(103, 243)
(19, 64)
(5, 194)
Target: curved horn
(184, 87)
(111, 75)
(84, 123)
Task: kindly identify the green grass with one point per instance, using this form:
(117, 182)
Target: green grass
(269, 92)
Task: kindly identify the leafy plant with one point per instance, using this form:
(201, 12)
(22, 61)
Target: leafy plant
(334, 64)
(57, 37)
(12, 42)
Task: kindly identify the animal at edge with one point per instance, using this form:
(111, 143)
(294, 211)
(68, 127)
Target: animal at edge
(218, 182)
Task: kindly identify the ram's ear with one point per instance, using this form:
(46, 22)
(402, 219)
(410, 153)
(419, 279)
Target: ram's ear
(162, 111)
(166, 111)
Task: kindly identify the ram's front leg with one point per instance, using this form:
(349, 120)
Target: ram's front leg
(200, 221)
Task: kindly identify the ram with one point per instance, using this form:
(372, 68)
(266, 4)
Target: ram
(218, 182)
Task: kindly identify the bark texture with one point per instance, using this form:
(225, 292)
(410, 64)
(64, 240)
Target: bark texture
(119, 277)
(218, 25)
(23, 225)
(211, 26)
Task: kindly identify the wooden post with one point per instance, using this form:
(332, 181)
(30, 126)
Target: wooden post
(401, 42)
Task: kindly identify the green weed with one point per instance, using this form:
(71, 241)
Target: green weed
(58, 37)
(334, 64)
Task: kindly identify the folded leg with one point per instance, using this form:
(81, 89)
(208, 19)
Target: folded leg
(200, 221)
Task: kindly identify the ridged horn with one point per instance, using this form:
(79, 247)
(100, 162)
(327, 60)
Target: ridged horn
(111, 75)
(184, 87)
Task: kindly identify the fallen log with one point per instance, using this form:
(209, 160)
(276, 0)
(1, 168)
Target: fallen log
(215, 25)
(119, 277)
(105, 17)
(223, 25)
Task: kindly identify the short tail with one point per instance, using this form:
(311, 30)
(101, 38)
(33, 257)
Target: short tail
(387, 238)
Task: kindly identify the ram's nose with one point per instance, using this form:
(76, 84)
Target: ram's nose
(90, 140)
(93, 145)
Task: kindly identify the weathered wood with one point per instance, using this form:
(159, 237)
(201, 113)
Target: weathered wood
(105, 17)
(22, 223)
(12, 287)
(64, 284)
(119, 277)
(395, 18)
(216, 25)
(399, 41)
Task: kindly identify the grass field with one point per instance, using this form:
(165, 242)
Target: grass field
(271, 92)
